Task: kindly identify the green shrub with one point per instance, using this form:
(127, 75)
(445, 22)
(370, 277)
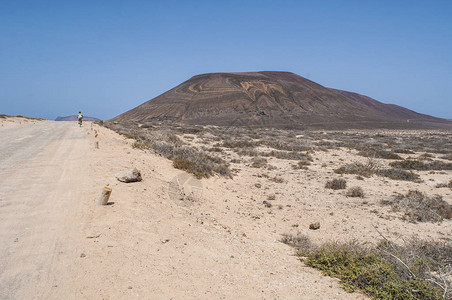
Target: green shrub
(371, 270)
(365, 270)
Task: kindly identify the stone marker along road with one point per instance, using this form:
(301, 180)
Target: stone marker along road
(42, 175)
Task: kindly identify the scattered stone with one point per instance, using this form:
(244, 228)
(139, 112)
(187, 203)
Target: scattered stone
(130, 287)
(82, 255)
(93, 236)
(131, 175)
(314, 226)
(258, 185)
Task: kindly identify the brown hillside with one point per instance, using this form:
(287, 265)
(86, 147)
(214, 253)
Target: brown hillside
(276, 99)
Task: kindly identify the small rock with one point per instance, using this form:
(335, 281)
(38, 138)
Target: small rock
(267, 204)
(129, 287)
(314, 226)
(82, 255)
(131, 175)
(258, 185)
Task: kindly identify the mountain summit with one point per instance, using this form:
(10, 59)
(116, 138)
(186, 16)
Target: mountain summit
(273, 99)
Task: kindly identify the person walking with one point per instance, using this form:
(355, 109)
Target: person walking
(80, 118)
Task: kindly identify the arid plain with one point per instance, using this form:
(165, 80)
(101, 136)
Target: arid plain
(221, 235)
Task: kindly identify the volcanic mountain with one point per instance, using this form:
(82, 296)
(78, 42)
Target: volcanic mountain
(273, 99)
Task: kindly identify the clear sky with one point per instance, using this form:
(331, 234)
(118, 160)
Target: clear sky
(106, 57)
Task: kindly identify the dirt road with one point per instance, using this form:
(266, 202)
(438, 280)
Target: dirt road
(41, 173)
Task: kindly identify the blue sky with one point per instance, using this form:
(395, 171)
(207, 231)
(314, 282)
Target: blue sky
(106, 57)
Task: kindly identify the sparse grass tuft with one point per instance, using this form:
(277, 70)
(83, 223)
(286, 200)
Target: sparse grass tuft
(336, 184)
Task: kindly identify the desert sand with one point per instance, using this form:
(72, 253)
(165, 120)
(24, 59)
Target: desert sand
(172, 236)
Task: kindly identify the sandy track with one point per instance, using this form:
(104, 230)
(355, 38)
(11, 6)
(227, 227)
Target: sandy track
(41, 172)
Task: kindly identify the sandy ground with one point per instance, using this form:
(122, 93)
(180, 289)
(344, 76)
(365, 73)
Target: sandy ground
(150, 244)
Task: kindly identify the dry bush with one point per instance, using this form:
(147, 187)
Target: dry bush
(287, 144)
(402, 150)
(412, 164)
(336, 184)
(139, 144)
(372, 166)
(302, 164)
(198, 163)
(190, 129)
(426, 156)
(398, 174)
(355, 191)
(258, 162)
(366, 169)
(277, 179)
(291, 155)
(448, 157)
(444, 185)
(163, 141)
(248, 152)
(418, 207)
(238, 143)
(385, 154)
(215, 149)
(300, 242)
(422, 259)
